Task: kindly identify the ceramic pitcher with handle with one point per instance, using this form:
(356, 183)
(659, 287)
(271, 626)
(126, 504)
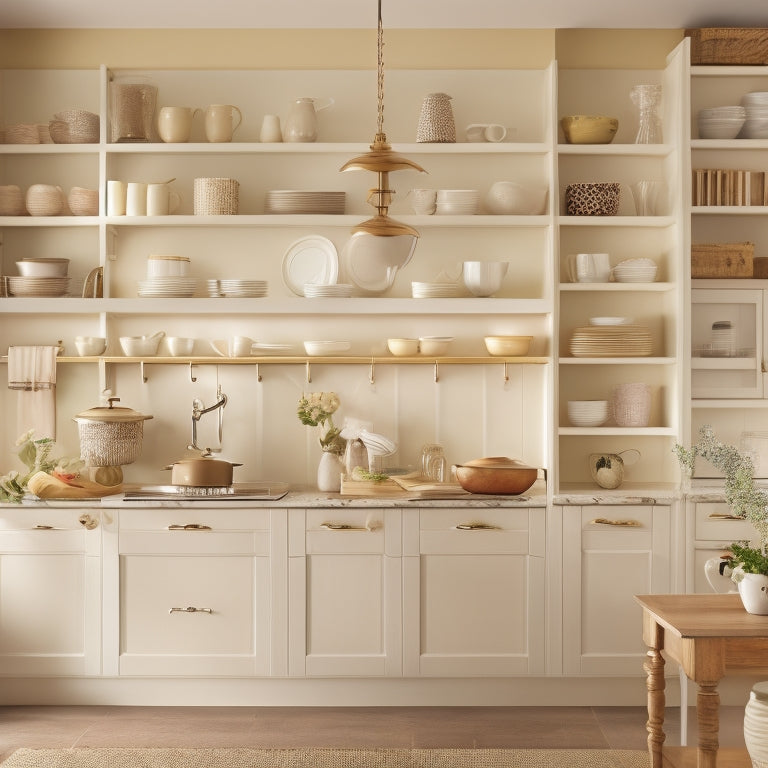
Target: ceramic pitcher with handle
(301, 124)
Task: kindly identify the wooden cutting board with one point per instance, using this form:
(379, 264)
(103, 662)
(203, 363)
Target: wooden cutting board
(381, 488)
(400, 486)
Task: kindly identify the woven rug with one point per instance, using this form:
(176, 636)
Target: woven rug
(327, 758)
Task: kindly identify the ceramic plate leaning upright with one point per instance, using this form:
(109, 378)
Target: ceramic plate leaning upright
(311, 259)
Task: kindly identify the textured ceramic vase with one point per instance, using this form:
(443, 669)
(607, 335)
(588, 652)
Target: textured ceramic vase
(436, 123)
(756, 725)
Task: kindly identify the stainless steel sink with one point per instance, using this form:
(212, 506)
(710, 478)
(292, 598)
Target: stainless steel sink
(266, 491)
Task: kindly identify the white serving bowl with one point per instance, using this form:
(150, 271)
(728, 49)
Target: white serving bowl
(167, 265)
(140, 346)
(720, 128)
(508, 346)
(315, 348)
(43, 267)
(88, 346)
(403, 347)
(484, 278)
(587, 413)
(179, 346)
(434, 345)
(508, 198)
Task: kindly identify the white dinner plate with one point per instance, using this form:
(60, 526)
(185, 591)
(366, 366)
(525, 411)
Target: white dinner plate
(311, 259)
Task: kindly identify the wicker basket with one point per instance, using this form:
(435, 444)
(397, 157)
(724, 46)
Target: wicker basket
(110, 445)
(216, 197)
(22, 133)
(631, 405)
(721, 260)
(592, 199)
(729, 45)
(74, 126)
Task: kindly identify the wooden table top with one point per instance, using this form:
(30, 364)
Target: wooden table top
(704, 615)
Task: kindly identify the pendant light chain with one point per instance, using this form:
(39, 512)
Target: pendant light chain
(380, 77)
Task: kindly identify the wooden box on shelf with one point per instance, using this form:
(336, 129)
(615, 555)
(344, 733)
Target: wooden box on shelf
(728, 45)
(722, 260)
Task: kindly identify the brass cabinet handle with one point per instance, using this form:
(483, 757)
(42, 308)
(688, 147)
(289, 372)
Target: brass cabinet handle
(88, 522)
(189, 527)
(343, 527)
(477, 527)
(619, 523)
(190, 609)
(723, 516)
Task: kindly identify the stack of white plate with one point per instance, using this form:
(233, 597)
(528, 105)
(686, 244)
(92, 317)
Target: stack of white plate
(335, 291)
(756, 124)
(587, 413)
(37, 286)
(635, 271)
(721, 122)
(304, 201)
(611, 320)
(457, 202)
(436, 290)
(171, 287)
(611, 341)
(241, 288)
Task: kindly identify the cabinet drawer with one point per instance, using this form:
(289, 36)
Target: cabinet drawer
(713, 524)
(617, 527)
(50, 530)
(336, 531)
(216, 518)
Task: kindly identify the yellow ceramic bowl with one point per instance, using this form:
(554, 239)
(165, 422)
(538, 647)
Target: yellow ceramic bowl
(508, 346)
(589, 129)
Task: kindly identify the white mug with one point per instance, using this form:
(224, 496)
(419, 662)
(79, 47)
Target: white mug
(270, 129)
(240, 346)
(136, 199)
(174, 124)
(589, 267)
(161, 200)
(220, 123)
(116, 198)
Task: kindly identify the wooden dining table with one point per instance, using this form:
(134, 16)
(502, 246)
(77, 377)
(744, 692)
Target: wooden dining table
(709, 636)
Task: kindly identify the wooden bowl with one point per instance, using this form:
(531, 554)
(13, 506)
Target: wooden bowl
(496, 475)
(589, 129)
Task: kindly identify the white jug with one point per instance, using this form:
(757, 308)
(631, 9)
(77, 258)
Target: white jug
(301, 124)
(718, 573)
(220, 122)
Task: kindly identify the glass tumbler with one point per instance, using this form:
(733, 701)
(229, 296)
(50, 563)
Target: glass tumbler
(647, 99)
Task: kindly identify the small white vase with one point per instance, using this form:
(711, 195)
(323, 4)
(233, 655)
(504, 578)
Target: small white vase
(756, 724)
(753, 589)
(329, 472)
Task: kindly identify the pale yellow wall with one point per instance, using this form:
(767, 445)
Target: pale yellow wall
(333, 49)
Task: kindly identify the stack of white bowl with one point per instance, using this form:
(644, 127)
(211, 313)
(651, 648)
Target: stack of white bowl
(635, 271)
(40, 277)
(457, 202)
(587, 413)
(756, 123)
(721, 122)
(167, 276)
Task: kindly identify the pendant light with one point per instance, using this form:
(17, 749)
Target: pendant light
(383, 240)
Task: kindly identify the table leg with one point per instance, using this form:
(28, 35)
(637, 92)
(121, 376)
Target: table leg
(654, 669)
(708, 716)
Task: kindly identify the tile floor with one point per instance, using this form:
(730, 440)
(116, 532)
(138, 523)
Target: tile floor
(523, 727)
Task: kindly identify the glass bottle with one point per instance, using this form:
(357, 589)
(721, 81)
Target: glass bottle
(647, 99)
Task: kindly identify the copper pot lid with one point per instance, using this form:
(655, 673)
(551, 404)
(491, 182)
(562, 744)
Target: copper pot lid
(110, 414)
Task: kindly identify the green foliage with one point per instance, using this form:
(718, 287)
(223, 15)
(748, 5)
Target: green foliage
(316, 410)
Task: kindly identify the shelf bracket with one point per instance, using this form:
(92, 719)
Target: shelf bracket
(143, 372)
(258, 373)
(309, 373)
(192, 377)
(437, 371)
(372, 372)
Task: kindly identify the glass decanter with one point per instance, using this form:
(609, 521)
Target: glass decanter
(647, 99)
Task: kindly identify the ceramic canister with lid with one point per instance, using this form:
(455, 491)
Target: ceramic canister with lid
(756, 725)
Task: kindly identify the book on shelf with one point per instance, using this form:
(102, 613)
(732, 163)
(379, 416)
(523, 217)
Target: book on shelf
(718, 186)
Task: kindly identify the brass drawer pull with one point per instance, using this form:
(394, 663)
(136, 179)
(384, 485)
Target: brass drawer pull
(189, 527)
(477, 527)
(190, 609)
(343, 527)
(620, 523)
(41, 527)
(724, 516)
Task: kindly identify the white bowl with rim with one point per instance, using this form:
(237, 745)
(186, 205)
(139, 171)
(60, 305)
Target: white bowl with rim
(403, 347)
(434, 345)
(587, 413)
(34, 267)
(89, 346)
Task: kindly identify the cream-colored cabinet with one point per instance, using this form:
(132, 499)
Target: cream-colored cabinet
(610, 554)
(192, 591)
(50, 591)
(345, 592)
(473, 586)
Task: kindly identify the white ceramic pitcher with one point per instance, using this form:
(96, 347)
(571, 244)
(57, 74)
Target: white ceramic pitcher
(301, 123)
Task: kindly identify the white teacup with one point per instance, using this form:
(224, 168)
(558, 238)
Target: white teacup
(423, 201)
(162, 200)
(589, 267)
(179, 346)
(240, 346)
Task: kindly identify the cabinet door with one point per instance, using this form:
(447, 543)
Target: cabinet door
(610, 554)
(474, 592)
(344, 592)
(49, 592)
(195, 597)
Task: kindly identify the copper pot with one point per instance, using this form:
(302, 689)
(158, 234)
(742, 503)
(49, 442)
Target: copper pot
(202, 471)
(496, 475)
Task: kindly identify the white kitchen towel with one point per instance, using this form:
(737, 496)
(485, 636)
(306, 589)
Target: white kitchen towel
(32, 372)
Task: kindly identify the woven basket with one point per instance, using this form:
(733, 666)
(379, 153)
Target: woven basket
(74, 126)
(110, 445)
(592, 199)
(631, 405)
(22, 133)
(720, 260)
(216, 197)
(436, 123)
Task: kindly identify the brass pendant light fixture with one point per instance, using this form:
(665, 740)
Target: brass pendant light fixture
(391, 241)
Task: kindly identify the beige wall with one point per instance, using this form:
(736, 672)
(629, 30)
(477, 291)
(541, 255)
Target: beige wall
(333, 49)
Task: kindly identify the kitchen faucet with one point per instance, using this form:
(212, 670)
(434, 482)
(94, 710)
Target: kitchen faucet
(198, 411)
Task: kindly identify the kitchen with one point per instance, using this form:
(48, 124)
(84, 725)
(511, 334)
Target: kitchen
(473, 407)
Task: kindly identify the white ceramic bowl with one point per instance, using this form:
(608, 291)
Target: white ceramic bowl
(509, 198)
(403, 347)
(434, 345)
(90, 345)
(720, 128)
(315, 348)
(484, 278)
(139, 346)
(508, 346)
(167, 265)
(43, 267)
(179, 346)
(587, 413)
